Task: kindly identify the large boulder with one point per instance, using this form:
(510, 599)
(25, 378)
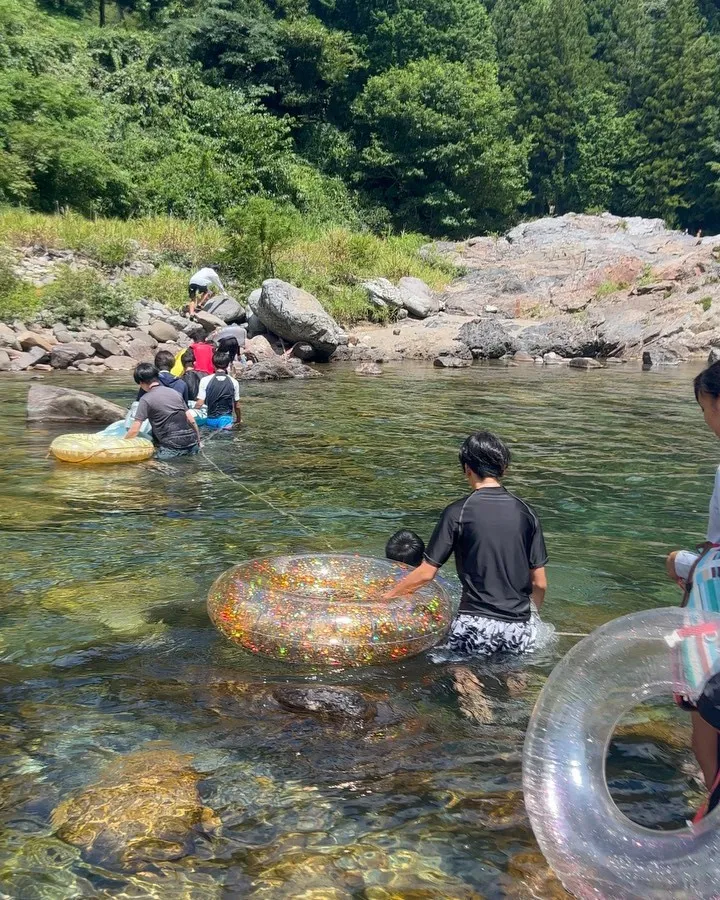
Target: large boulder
(277, 368)
(22, 361)
(487, 339)
(107, 346)
(30, 339)
(162, 331)
(566, 337)
(64, 355)
(226, 308)
(8, 337)
(47, 403)
(419, 299)
(295, 315)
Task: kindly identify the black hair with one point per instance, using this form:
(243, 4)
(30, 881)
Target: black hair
(708, 381)
(221, 359)
(188, 358)
(164, 359)
(145, 373)
(485, 454)
(406, 547)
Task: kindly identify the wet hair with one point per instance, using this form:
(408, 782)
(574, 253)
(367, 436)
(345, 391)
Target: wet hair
(406, 547)
(221, 359)
(485, 454)
(164, 359)
(708, 381)
(188, 358)
(145, 373)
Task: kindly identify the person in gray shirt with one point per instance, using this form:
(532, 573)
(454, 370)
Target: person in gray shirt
(174, 430)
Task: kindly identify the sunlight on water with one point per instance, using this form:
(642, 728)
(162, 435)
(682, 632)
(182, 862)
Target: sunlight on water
(107, 650)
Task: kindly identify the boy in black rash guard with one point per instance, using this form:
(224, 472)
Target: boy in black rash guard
(221, 392)
(499, 554)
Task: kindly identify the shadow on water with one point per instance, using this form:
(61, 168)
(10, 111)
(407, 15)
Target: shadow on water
(106, 647)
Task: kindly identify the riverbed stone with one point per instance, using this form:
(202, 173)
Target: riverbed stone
(585, 362)
(326, 701)
(162, 331)
(369, 368)
(145, 808)
(30, 339)
(451, 362)
(295, 315)
(120, 363)
(226, 308)
(208, 321)
(25, 359)
(277, 368)
(8, 337)
(142, 336)
(48, 403)
(107, 346)
(260, 347)
(4, 361)
(140, 351)
(63, 355)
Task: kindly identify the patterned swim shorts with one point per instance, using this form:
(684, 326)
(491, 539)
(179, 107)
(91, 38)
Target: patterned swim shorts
(480, 636)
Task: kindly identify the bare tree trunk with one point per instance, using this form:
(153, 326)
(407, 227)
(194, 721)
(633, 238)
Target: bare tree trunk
(102, 13)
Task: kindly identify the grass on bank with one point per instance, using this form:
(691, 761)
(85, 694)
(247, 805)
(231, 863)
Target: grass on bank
(328, 262)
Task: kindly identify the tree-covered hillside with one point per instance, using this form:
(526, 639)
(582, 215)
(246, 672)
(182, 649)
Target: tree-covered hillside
(447, 117)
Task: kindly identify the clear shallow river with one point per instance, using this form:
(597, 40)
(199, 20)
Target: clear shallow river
(105, 645)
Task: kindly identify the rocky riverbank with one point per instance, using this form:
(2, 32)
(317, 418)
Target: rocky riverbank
(571, 289)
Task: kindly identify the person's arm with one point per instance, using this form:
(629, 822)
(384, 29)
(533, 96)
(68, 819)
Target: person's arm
(218, 283)
(133, 430)
(191, 420)
(202, 388)
(538, 579)
(236, 399)
(141, 413)
(413, 581)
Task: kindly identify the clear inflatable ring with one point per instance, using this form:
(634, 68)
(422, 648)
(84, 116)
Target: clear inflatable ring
(327, 609)
(595, 850)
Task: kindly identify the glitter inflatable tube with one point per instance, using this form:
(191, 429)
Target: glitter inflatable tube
(595, 850)
(327, 610)
(96, 449)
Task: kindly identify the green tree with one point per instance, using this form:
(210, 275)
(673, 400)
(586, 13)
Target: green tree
(437, 149)
(257, 231)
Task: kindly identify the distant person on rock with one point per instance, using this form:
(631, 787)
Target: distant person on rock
(164, 361)
(499, 553)
(405, 547)
(203, 284)
(173, 427)
(231, 340)
(221, 393)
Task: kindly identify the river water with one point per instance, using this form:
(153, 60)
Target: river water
(106, 647)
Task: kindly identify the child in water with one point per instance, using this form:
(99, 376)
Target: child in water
(499, 554)
(405, 547)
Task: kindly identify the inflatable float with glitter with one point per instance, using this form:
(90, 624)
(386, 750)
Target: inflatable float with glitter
(327, 610)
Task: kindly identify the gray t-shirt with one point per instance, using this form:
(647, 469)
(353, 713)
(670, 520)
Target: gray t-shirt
(165, 409)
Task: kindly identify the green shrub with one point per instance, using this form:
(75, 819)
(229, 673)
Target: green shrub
(166, 285)
(78, 296)
(705, 303)
(610, 287)
(257, 232)
(18, 300)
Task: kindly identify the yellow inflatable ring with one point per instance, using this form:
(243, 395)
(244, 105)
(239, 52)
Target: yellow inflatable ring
(94, 448)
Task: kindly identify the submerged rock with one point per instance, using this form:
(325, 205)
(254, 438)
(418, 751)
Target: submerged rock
(145, 808)
(451, 362)
(277, 368)
(368, 368)
(59, 404)
(330, 702)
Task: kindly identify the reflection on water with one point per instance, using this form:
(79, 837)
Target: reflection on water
(106, 646)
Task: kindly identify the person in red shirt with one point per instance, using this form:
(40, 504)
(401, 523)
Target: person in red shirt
(203, 351)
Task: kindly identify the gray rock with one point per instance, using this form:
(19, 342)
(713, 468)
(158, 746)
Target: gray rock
(369, 368)
(163, 332)
(522, 356)
(553, 359)
(254, 326)
(403, 314)
(4, 361)
(8, 337)
(487, 338)
(418, 299)
(417, 287)
(254, 299)
(226, 308)
(180, 323)
(383, 293)
(713, 356)
(142, 337)
(304, 351)
(46, 403)
(194, 330)
(22, 361)
(208, 321)
(260, 347)
(584, 362)
(139, 351)
(327, 702)
(119, 363)
(64, 337)
(566, 337)
(451, 362)
(139, 267)
(295, 315)
(277, 368)
(64, 355)
(107, 346)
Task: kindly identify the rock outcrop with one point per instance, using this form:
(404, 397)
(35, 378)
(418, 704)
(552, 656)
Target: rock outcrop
(46, 403)
(277, 368)
(296, 315)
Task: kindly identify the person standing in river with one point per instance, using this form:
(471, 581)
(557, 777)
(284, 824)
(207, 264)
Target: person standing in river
(500, 557)
(698, 574)
(173, 427)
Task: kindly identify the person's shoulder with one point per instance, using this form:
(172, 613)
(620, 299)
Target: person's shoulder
(522, 505)
(456, 507)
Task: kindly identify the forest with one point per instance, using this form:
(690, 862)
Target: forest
(444, 117)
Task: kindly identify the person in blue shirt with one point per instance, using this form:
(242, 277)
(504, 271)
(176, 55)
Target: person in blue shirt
(164, 361)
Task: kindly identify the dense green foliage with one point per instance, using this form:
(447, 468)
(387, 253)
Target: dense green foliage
(444, 116)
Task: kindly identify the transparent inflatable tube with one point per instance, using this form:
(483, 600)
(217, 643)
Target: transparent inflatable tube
(595, 850)
(327, 609)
